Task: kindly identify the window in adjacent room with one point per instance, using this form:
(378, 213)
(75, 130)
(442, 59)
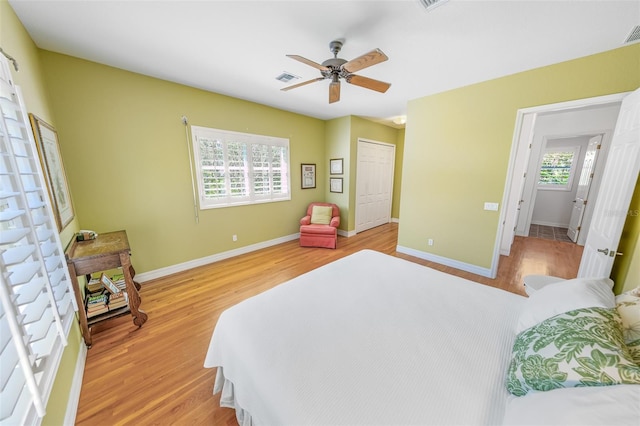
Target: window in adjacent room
(558, 168)
(240, 168)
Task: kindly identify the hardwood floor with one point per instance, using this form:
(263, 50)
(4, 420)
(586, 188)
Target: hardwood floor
(154, 375)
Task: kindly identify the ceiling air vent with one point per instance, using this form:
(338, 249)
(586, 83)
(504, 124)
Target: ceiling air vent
(285, 77)
(634, 35)
(431, 4)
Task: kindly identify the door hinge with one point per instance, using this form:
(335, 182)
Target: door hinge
(524, 175)
(591, 177)
(529, 146)
(578, 228)
(585, 202)
(598, 147)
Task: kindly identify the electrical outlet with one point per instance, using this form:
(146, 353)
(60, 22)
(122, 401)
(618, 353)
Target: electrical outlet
(430, 242)
(234, 237)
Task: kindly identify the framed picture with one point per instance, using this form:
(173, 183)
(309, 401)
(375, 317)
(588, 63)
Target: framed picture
(335, 184)
(335, 166)
(308, 176)
(108, 284)
(51, 160)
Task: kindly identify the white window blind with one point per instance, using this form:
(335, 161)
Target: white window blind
(37, 306)
(558, 168)
(240, 168)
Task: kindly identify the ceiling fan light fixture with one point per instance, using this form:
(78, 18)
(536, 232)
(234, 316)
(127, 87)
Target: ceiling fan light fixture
(431, 4)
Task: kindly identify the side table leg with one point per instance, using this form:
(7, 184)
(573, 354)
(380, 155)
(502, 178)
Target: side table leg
(139, 316)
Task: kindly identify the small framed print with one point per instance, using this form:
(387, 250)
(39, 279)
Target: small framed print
(335, 184)
(308, 176)
(335, 166)
(108, 284)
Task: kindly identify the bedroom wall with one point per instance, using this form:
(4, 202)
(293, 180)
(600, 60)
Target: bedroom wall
(16, 41)
(342, 142)
(125, 148)
(458, 143)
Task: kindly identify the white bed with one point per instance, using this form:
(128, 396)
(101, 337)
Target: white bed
(368, 340)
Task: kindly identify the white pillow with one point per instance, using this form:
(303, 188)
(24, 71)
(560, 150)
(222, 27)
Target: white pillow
(565, 296)
(628, 307)
(605, 405)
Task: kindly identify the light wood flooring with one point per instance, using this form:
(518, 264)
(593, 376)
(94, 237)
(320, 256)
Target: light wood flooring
(154, 375)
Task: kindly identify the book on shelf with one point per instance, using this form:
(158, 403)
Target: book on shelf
(108, 284)
(94, 285)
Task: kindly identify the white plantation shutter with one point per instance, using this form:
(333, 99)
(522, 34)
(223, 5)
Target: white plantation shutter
(37, 307)
(240, 168)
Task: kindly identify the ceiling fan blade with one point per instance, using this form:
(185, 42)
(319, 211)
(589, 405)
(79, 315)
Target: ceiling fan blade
(334, 92)
(361, 62)
(309, 62)
(368, 83)
(304, 83)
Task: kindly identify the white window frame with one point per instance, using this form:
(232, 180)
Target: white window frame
(572, 171)
(248, 170)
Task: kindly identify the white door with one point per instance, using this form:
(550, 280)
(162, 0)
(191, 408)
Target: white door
(618, 182)
(374, 184)
(584, 184)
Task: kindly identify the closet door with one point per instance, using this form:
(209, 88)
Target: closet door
(374, 184)
(37, 307)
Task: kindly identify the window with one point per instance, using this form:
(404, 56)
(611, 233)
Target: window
(558, 168)
(36, 304)
(240, 168)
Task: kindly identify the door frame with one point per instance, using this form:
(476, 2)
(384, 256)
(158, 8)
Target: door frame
(519, 142)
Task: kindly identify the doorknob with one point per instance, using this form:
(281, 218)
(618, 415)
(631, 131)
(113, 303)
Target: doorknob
(605, 251)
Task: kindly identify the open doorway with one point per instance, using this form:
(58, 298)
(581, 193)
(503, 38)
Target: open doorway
(537, 127)
(534, 127)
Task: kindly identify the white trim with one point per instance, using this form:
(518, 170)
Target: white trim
(555, 225)
(76, 387)
(474, 269)
(598, 100)
(346, 233)
(162, 272)
(395, 220)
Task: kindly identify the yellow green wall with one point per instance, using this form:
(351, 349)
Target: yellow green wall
(626, 269)
(342, 142)
(457, 148)
(126, 155)
(16, 41)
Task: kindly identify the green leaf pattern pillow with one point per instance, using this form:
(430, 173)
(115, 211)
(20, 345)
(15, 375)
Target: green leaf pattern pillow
(583, 347)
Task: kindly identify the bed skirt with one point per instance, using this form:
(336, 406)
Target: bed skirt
(228, 398)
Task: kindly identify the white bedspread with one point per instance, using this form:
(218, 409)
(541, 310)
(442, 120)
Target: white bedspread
(372, 340)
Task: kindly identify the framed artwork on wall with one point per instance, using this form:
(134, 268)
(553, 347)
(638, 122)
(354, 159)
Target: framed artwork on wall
(335, 185)
(308, 176)
(335, 166)
(51, 159)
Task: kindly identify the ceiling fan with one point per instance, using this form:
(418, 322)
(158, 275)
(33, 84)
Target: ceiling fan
(336, 68)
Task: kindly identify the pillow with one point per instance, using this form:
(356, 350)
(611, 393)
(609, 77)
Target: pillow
(583, 347)
(565, 296)
(628, 306)
(608, 405)
(321, 215)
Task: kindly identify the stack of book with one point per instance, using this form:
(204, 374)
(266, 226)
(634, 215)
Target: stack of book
(97, 304)
(104, 295)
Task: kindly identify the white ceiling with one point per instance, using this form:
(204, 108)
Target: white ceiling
(238, 48)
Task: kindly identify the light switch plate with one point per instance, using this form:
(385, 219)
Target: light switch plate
(491, 206)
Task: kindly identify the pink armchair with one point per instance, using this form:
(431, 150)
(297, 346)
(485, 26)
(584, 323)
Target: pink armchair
(320, 230)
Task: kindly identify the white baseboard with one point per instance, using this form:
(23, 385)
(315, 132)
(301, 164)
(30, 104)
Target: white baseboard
(76, 387)
(158, 273)
(474, 269)
(346, 233)
(555, 225)
(395, 220)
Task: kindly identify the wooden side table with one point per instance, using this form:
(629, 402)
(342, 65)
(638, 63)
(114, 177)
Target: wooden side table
(107, 251)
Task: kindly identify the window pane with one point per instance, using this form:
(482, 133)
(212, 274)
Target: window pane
(556, 168)
(260, 166)
(237, 159)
